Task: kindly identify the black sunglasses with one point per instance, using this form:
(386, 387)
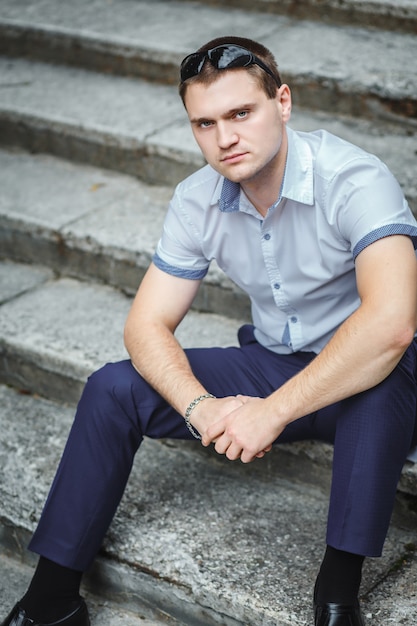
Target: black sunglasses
(222, 58)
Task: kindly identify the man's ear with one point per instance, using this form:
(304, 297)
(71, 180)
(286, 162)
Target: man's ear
(285, 100)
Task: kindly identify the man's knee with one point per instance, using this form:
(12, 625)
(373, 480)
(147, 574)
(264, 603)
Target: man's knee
(117, 399)
(112, 376)
(108, 396)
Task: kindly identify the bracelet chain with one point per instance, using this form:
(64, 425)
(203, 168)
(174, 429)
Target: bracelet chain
(190, 409)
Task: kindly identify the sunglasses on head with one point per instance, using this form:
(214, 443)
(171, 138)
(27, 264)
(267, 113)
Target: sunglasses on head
(222, 57)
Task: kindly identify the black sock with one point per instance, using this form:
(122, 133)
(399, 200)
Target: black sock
(53, 593)
(339, 578)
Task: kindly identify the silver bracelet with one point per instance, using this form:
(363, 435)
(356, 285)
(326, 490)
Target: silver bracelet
(190, 409)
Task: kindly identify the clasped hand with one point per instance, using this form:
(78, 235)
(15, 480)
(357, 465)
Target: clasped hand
(244, 429)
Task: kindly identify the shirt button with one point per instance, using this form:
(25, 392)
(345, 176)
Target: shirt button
(294, 319)
(277, 286)
(267, 237)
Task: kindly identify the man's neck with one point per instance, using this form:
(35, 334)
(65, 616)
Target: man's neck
(263, 191)
(262, 198)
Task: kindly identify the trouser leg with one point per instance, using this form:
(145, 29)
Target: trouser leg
(111, 419)
(117, 409)
(374, 433)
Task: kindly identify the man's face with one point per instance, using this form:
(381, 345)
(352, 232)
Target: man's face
(238, 129)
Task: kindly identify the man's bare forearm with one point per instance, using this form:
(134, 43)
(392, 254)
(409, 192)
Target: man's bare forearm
(359, 356)
(161, 303)
(159, 358)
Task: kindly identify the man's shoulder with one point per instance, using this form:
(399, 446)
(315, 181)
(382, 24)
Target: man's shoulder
(331, 152)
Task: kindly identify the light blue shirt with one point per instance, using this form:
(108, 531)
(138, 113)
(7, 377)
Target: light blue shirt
(298, 263)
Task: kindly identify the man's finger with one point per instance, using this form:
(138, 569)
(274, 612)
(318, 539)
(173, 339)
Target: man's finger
(233, 452)
(222, 445)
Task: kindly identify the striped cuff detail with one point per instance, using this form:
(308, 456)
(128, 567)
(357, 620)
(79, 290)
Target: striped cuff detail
(386, 231)
(178, 271)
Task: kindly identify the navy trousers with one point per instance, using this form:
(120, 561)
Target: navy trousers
(372, 433)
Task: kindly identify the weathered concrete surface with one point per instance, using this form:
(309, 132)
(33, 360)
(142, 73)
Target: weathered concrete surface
(45, 191)
(344, 56)
(89, 222)
(354, 10)
(16, 279)
(15, 577)
(93, 224)
(209, 541)
(53, 337)
(84, 117)
(387, 14)
(394, 601)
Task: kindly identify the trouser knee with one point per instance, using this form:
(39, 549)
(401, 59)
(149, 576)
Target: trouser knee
(107, 407)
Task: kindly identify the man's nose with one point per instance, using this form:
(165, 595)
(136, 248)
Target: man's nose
(226, 135)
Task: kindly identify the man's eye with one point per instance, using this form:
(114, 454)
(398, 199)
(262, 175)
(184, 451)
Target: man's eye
(205, 124)
(241, 115)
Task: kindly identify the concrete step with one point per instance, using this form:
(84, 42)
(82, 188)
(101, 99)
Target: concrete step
(121, 123)
(52, 330)
(398, 15)
(92, 224)
(205, 541)
(341, 69)
(14, 580)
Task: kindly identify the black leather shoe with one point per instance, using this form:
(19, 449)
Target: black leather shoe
(333, 614)
(18, 617)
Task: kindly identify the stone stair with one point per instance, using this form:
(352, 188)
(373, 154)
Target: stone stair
(93, 137)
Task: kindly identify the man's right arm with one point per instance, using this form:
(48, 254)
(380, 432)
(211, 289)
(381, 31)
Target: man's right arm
(160, 304)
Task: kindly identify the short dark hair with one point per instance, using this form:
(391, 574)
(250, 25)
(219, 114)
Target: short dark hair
(209, 73)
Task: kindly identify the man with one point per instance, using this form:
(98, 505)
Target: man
(319, 235)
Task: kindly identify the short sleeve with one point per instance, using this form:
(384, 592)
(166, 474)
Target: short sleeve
(179, 250)
(370, 204)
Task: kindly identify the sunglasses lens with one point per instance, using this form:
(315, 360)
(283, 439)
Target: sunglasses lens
(224, 57)
(191, 65)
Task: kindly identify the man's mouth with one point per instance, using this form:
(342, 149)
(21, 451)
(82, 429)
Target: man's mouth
(233, 158)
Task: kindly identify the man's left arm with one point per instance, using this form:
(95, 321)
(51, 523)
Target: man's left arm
(363, 352)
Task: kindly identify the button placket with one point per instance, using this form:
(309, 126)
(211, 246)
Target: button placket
(270, 256)
(272, 268)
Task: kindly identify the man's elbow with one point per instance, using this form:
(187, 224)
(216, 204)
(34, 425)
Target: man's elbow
(127, 336)
(130, 333)
(402, 335)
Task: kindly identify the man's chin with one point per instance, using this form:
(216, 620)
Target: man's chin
(235, 174)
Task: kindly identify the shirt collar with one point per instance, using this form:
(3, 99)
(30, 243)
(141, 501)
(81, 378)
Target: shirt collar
(298, 180)
(297, 183)
(229, 197)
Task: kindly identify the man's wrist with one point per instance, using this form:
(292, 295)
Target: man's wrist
(190, 408)
(277, 411)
